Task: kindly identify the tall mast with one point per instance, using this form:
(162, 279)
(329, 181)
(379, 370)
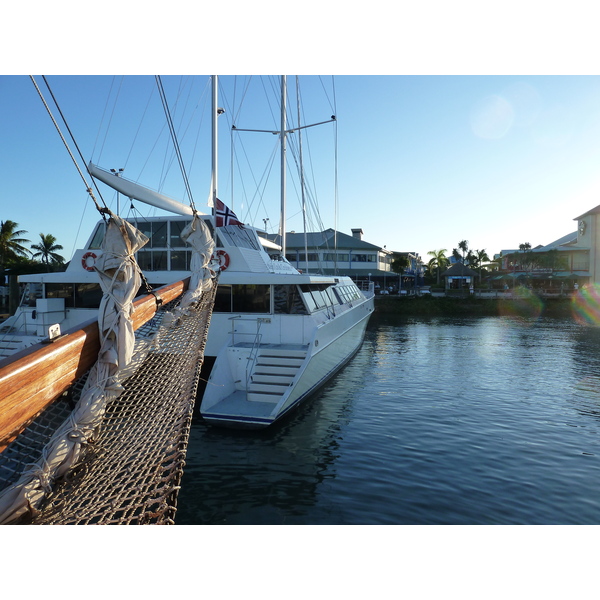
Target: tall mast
(215, 172)
(283, 151)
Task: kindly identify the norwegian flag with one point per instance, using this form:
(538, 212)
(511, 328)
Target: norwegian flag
(225, 216)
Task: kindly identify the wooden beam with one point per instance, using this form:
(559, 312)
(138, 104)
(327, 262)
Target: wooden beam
(33, 378)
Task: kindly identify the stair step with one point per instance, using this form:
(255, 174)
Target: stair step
(269, 388)
(280, 353)
(272, 378)
(257, 397)
(283, 361)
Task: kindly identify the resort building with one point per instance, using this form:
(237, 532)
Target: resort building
(569, 262)
(332, 252)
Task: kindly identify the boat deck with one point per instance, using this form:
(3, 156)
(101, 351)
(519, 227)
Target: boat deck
(237, 405)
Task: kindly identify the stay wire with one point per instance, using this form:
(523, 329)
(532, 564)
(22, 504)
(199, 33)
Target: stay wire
(88, 188)
(175, 143)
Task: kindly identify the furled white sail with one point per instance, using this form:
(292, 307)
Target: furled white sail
(139, 192)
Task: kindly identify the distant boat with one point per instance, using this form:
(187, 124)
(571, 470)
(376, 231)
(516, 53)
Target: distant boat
(276, 334)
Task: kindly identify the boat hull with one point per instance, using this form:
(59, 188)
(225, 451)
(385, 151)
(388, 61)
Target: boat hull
(334, 344)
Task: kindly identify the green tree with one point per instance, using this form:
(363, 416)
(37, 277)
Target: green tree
(438, 262)
(47, 250)
(479, 257)
(399, 265)
(11, 243)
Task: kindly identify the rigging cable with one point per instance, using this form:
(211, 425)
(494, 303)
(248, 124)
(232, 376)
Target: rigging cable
(88, 188)
(175, 143)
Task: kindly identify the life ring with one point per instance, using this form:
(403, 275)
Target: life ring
(222, 258)
(88, 266)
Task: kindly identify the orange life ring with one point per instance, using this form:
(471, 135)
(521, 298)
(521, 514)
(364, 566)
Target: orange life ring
(84, 261)
(222, 258)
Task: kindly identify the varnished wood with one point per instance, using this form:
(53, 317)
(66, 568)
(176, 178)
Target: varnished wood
(33, 378)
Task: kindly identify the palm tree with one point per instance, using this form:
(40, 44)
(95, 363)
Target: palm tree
(47, 250)
(11, 244)
(438, 262)
(479, 257)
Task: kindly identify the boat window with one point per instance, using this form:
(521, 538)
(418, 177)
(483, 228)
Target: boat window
(288, 300)
(175, 240)
(252, 298)
(61, 290)
(98, 237)
(243, 298)
(317, 296)
(180, 260)
(32, 292)
(223, 299)
(88, 295)
(240, 237)
(152, 260)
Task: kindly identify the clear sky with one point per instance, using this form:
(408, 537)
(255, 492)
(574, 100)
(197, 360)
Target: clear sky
(423, 161)
(446, 132)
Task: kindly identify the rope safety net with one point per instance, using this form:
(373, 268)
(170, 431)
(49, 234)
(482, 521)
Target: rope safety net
(117, 457)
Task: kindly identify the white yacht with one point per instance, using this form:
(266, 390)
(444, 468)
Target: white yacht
(275, 336)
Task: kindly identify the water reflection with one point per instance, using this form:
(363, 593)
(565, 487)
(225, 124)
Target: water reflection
(472, 421)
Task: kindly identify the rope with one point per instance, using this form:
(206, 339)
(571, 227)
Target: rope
(88, 188)
(175, 143)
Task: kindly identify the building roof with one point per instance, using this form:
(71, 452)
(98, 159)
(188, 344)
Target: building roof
(459, 270)
(593, 211)
(325, 239)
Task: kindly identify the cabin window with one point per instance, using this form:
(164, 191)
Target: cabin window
(152, 260)
(317, 296)
(288, 300)
(252, 298)
(33, 291)
(175, 240)
(98, 237)
(61, 290)
(180, 260)
(223, 299)
(243, 298)
(88, 295)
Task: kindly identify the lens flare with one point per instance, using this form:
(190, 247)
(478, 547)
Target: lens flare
(523, 304)
(586, 304)
(492, 118)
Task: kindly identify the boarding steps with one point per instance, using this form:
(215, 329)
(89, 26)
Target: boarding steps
(273, 373)
(9, 344)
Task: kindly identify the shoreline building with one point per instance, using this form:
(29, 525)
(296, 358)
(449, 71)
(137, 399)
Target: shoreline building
(332, 252)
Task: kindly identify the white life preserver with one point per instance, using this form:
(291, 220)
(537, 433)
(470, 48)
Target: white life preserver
(221, 257)
(88, 260)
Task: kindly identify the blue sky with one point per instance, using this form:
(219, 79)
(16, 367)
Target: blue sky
(423, 161)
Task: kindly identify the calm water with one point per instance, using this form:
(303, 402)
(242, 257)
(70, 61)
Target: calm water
(440, 421)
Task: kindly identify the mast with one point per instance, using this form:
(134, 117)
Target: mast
(215, 167)
(283, 151)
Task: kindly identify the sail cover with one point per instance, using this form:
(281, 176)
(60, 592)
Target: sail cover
(139, 192)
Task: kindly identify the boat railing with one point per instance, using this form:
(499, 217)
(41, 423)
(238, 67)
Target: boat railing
(254, 343)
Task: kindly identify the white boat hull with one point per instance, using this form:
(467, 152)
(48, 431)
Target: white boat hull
(229, 399)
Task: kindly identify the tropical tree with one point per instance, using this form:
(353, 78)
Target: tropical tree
(479, 257)
(438, 262)
(399, 265)
(47, 250)
(11, 243)
(463, 246)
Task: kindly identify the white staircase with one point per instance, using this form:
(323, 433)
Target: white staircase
(273, 373)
